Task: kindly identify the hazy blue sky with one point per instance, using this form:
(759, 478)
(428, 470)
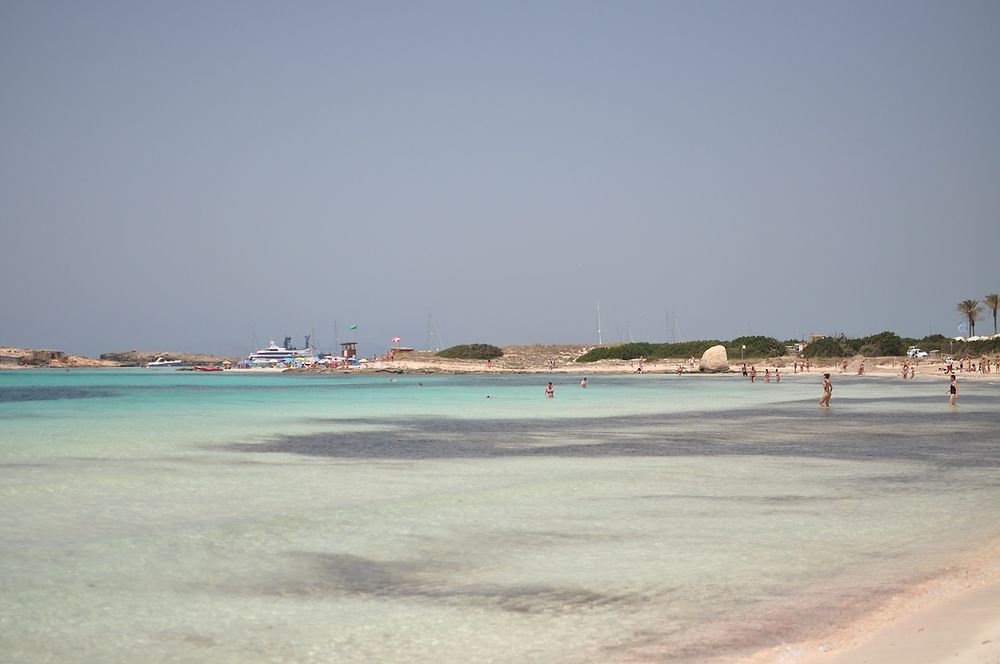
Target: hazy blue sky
(182, 175)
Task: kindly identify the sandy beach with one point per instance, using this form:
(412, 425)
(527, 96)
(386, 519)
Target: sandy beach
(954, 617)
(536, 359)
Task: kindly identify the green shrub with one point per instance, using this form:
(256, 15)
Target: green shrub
(937, 342)
(756, 347)
(975, 348)
(648, 351)
(827, 347)
(471, 352)
(883, 343)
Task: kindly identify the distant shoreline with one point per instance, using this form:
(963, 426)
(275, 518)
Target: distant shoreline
(522, 359)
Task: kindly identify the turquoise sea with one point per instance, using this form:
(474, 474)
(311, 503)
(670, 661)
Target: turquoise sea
(236, 517)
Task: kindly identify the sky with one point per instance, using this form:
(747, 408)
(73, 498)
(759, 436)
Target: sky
(206, 176)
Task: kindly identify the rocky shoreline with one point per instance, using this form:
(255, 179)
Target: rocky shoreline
(137, 358)
(28, 358)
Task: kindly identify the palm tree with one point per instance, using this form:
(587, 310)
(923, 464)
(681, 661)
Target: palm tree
(993, 302)
(971, 310)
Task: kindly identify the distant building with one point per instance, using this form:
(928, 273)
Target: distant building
(46, 356)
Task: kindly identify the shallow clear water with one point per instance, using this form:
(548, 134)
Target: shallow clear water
(251, 518)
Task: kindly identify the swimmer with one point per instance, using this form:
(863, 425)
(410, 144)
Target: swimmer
(953, 391)
(583, 383)
(827, 391)
(550, 391)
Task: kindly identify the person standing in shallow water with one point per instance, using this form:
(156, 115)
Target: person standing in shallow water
(827, 391)
(583, 383)
(953, 391)
(550, 391)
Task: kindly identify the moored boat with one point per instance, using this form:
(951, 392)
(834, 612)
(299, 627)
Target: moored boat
(285, 354)
(163, 363)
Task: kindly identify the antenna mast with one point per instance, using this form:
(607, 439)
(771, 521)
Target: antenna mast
(600, 341)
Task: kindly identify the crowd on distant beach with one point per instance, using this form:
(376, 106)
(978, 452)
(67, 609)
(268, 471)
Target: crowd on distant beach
(985, 366)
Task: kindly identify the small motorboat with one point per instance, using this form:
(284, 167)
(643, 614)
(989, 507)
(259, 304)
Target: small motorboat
(163, 363)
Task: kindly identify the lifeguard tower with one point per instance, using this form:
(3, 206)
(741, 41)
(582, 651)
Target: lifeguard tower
(349, 350)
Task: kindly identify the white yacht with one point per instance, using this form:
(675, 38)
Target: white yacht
(285, 353)
(163, 363)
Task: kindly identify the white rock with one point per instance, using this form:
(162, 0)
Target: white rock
(715, 360)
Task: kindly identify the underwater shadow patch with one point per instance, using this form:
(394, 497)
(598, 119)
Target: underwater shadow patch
(808, 432)
(325, 575)
(16, 394)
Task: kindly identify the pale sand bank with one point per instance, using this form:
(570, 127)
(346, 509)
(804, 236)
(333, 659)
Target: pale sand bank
(964, 629)
(953, 619)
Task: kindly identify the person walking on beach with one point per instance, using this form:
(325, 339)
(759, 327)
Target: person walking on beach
(753, 374)
(953, 391)
(550, 391)
(827, 391)
(843, 366)
(777, 375)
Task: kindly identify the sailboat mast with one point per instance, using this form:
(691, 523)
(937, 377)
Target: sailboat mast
(438, 337)
(600, 341)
